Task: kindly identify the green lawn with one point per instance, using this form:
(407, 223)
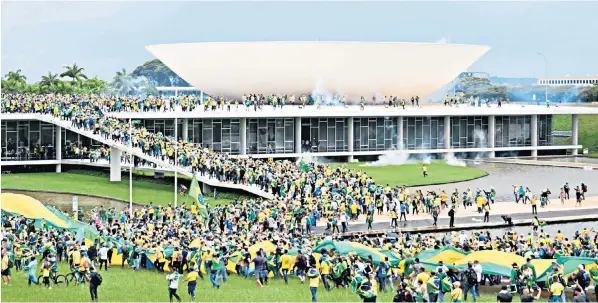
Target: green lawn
(588, 130)
(150, 286)
(83, 182)
(411, 174)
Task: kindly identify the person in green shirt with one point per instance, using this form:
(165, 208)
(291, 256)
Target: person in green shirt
(532, 267)
(433, 286)
(215, 269)
(515, 277)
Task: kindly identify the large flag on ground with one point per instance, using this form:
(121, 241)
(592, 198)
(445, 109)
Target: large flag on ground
(195, 193)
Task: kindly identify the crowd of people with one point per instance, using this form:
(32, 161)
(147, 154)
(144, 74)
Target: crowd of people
(304, 194)
(171, 236)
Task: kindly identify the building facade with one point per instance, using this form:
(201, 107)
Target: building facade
(327, 132)
(569, 81)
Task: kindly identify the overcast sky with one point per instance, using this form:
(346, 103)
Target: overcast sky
(106, 36)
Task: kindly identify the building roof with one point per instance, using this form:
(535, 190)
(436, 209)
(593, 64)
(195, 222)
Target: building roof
(352, 69)
(369, 111)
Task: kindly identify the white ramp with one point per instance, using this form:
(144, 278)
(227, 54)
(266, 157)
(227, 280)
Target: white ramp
(138, 153)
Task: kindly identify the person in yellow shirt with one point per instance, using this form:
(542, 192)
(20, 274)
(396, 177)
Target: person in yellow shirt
(422, 276)
(285, 265)
(486, 213)
(75, 257)
(325, 273)
(6, 268)
(192, 282)
(556, 290)
(46, 273)
(354, 211)
(394, 215)
(314, 283)
(457, 293)
(534, 203)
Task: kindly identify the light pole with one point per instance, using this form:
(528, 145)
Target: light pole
(545, 76)
(131, 166)
(176, 159)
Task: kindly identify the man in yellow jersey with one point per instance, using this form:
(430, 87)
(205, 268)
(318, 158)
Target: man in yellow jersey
(192, 282)
(325, 266)
(314, 283)
(556, 290)
(6, 267)
(285, 265)
(75, 257)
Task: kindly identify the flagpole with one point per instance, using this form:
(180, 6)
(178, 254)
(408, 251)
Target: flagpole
(176, 156)
(131, 169)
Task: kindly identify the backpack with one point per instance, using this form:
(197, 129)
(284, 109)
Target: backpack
(97, 279)
(586, 278)
(471, 276)
(301, 262)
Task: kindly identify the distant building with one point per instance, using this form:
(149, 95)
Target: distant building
(569, 81)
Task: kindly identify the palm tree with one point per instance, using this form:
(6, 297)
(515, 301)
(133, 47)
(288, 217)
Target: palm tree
(123, 83)
(16, 76)
(50, 80)
(74, 72)
(95, 85)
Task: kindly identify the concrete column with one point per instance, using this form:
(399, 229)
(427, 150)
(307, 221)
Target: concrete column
(400, 139)
(58, 148)
(491, 133)
(206, 189)
(185, 133)
(298, 135)
(350, 137)
(574, 133)
(243, 136)
(115, 164)
(534, 135)
(447, 132)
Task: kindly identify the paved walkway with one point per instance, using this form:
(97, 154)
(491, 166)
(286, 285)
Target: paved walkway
(471, 216)
(586, 166)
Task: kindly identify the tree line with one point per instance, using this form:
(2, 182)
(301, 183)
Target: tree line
(73, 80)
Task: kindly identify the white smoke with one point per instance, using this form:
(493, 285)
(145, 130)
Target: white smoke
(453, 161)
(321, 95)
(396, 157)
(481, 141)
(309, 158)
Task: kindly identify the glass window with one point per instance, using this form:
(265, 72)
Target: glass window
(217, 132)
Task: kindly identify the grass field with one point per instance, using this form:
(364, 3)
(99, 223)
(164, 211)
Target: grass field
(85, 182)
(146, 189)
(149, 286)
(588, 130)
(411, 174)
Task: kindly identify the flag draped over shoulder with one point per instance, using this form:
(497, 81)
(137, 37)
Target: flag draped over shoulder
(195, 193)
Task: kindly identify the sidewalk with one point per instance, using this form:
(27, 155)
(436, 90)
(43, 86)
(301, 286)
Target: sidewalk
(498, 208)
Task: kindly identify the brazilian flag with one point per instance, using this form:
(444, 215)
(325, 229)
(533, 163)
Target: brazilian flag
(195, 193)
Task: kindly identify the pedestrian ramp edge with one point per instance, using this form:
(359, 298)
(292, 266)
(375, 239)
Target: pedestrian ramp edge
(138, 153)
